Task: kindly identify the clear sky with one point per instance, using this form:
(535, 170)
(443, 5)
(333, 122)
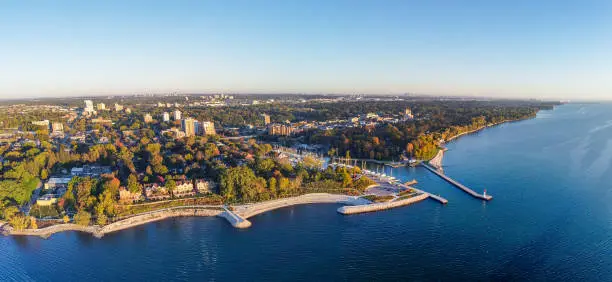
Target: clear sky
(499, 48)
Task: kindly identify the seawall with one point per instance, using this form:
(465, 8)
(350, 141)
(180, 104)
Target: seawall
(155, 216)
(99, 232)
(381, 206)
(250, 210)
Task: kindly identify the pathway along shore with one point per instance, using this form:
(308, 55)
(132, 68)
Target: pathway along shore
(237, 216)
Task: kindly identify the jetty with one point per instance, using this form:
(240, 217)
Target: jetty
(372, 207)
(435, 197)
(235, 219)
(483, 196)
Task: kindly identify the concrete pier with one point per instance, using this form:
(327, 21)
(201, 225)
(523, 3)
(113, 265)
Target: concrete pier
(381, 206)
(457, 184)
(435, 197)
(234, 219)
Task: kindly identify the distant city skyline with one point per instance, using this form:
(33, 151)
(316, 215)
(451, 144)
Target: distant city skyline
(507, 49)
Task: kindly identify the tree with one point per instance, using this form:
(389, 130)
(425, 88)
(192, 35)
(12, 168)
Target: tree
(101, 219)
(362, 183)
(84, 193)
(33, 224)
(210, 150)
(133, 185)
(44, 174)
(240, 183)
(19, 222)
(82, 218)
(10, 211)
(272, 186)
(264, 166)
(171, 186)
(283, 185)
(346, 179)
(311, 162)
(410, 149)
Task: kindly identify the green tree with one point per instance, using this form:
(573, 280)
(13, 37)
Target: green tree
(264, 166)
(82, 218)
(44, 174)
(171, 186)
(346, 179)
(19, 222)
(272, 186)
(133, 185)
(9, 212)
(283, 186)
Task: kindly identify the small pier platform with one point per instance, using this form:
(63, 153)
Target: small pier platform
(435, 197)
(457, 184)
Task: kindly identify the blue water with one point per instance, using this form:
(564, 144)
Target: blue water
(550, 219)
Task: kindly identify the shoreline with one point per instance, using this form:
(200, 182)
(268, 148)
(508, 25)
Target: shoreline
(237, 217)
(99, 232)
(485, 127)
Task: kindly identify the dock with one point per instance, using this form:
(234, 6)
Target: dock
(435, 197)
(457, 184)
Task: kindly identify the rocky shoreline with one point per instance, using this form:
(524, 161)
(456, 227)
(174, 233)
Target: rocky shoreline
(99, 232)
(237, 217)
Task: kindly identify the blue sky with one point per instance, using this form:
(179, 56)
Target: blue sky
(521, 48)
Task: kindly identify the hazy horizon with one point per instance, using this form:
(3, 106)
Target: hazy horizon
(520, 49)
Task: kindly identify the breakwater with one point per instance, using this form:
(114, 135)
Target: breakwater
(250, 210)
(234, 219)
(457, 184)
(381, 206)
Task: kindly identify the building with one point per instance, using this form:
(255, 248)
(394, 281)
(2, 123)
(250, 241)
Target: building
(47, 200)
(42, 123)
(127, 197)
(101, 106)
(57, 127)
(101, 120)
(408, 113)
(166, 117)
(54, 183)
(156, 192)
(280, 129)
(183, 188)
(148, 118)
(89, 106)
(266, 119)
(118, 107)
(177, 115)
(204, 187)
(208, 128)
(90, 170)
(189, 126)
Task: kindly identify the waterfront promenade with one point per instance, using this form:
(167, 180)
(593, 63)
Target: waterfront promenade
(457, 184)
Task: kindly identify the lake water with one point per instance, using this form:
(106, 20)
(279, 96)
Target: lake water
(550, 219)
